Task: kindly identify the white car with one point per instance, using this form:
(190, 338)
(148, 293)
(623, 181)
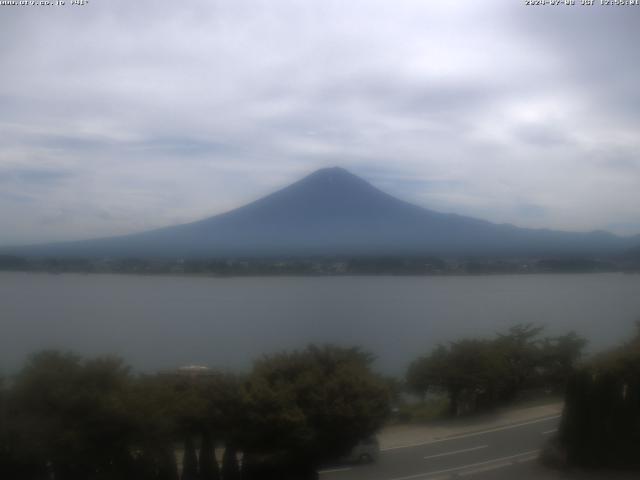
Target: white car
(366, 451)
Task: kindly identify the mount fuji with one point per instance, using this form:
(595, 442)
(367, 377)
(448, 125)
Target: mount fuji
(333, 212)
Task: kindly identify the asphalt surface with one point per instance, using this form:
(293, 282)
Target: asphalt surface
(508, 452)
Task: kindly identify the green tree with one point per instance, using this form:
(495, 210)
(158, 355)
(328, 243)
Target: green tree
(167, 468)
(521, 348)
(310, 406)
(474, 375)
(208, 465)
(155, 406)
(72, 416)
(5, 449)
(601, 420)
(190, 461)
(174, 407)
(224, 405)
(429, 372)
(470, 372)
(230, 467)
(560, 356)
(482, 373)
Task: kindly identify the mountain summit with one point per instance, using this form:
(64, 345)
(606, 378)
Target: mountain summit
(333, 212)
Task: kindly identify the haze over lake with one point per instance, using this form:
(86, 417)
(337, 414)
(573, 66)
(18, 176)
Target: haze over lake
(157, 322)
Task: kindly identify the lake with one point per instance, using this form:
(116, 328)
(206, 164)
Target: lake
(160, 322)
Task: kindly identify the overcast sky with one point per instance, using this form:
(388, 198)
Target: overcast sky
(120, 116)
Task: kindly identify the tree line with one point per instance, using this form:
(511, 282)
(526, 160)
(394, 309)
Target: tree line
(331, 265)
(600, 425)
(64, 417)
(477, 374)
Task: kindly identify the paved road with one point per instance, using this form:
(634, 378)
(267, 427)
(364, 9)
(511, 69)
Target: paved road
(501, 453)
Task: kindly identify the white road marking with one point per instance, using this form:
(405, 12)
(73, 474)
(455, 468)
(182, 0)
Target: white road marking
(550, 431)
(456, 451)
(467, 435)
(334, 470)
(494, 467)
(500, 462)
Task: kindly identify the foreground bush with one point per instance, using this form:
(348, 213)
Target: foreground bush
(309, 407)
(601, 421)
(477, 374)
(69, 418)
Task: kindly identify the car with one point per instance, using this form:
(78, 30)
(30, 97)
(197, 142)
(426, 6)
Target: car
(366, 451)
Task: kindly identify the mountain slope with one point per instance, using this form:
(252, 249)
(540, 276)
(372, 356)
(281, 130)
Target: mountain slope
(333, 211)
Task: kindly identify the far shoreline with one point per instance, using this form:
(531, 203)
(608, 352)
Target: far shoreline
(317, 275)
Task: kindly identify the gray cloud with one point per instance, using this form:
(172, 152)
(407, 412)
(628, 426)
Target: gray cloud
(34, 176)
(154, 112)
(528, 210)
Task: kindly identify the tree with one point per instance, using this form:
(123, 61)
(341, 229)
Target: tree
(417, 378)
(155, 406)
(224, 405)
(230, 467)
(482, 373)
(71, 416)
(471, 372)
(167, 468)
(176, 407)
(559, 358)
(5, 450)
(600, 425)
(521, 350)
(310, 406)
(473, 375)
(208, 465)
(429, 372)
(190, 461)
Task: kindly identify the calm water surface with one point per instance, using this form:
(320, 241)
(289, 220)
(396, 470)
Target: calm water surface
(163, 322)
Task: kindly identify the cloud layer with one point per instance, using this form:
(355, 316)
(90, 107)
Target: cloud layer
(121, 116)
